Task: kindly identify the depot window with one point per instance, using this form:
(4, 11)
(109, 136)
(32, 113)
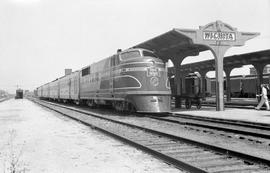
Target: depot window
(130, 55)
(147, 53)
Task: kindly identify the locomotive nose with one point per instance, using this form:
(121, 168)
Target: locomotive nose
(148, 104)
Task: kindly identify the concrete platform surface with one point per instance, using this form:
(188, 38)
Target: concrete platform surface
(37, 140)
(260, 116)
(235, 101)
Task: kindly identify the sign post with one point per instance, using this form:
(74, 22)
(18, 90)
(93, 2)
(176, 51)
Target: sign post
(218, 37)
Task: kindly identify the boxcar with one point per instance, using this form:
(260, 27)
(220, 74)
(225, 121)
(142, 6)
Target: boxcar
(64, 88)
(74, 86)
(46, 91)
(54, 90)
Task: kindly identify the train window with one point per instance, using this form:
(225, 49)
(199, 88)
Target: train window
(86, 71)
(147, 53)
(130, 55)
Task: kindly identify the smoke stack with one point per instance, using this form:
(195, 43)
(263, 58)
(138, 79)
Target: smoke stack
(68, 71)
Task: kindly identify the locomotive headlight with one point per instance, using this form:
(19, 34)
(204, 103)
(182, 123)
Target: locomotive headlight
(153, 62)
(156, 99)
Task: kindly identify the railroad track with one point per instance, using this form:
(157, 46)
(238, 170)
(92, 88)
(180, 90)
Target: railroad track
(4, 99)
(185, 154)
(243, 130)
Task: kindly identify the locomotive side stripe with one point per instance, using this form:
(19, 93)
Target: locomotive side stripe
(119, 71)
(126, 64)
(103, 98)
(132, 63)
(140, 84)
(144, 92)
(154, 93)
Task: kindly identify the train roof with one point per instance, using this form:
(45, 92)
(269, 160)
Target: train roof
(132, 49)
(127, 50)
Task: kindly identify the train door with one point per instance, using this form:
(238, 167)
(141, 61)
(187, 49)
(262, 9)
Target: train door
(112, 75)
(41, 91)
(113, 70)
(58, 90)
(77, 86)
(69, 88)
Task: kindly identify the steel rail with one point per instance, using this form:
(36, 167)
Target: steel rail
(218, 126)
(5, 99)
(166, 158)
(249, 124)
(179, 164)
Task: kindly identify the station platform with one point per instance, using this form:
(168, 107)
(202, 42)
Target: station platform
(250, 115)
(251, 102)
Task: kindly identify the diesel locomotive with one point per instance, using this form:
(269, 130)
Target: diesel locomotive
(131, 80)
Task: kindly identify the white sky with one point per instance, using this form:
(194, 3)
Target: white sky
(40, 38)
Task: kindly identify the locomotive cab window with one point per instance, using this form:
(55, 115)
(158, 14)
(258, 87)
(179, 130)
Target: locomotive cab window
(147, 53)
(130, 55)
(86, 71)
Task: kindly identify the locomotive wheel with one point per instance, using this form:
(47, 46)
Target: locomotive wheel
(91, 103)
(117, 106)
(122, 106)
(77, 102)
(188, 104)
(131, 108)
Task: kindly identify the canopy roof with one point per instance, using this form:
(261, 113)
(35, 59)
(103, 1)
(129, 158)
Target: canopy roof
(172, 44)
(234, 61)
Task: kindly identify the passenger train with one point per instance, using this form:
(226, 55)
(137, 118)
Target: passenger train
(131, 80)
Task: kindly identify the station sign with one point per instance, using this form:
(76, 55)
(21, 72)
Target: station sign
(219, 36)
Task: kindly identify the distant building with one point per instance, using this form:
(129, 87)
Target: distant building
(3, 93)
(266, 70)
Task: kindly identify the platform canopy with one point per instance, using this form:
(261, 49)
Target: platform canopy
(234, 61)
(172, 44)
(216, 36)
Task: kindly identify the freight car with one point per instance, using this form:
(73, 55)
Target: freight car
(135, 79)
